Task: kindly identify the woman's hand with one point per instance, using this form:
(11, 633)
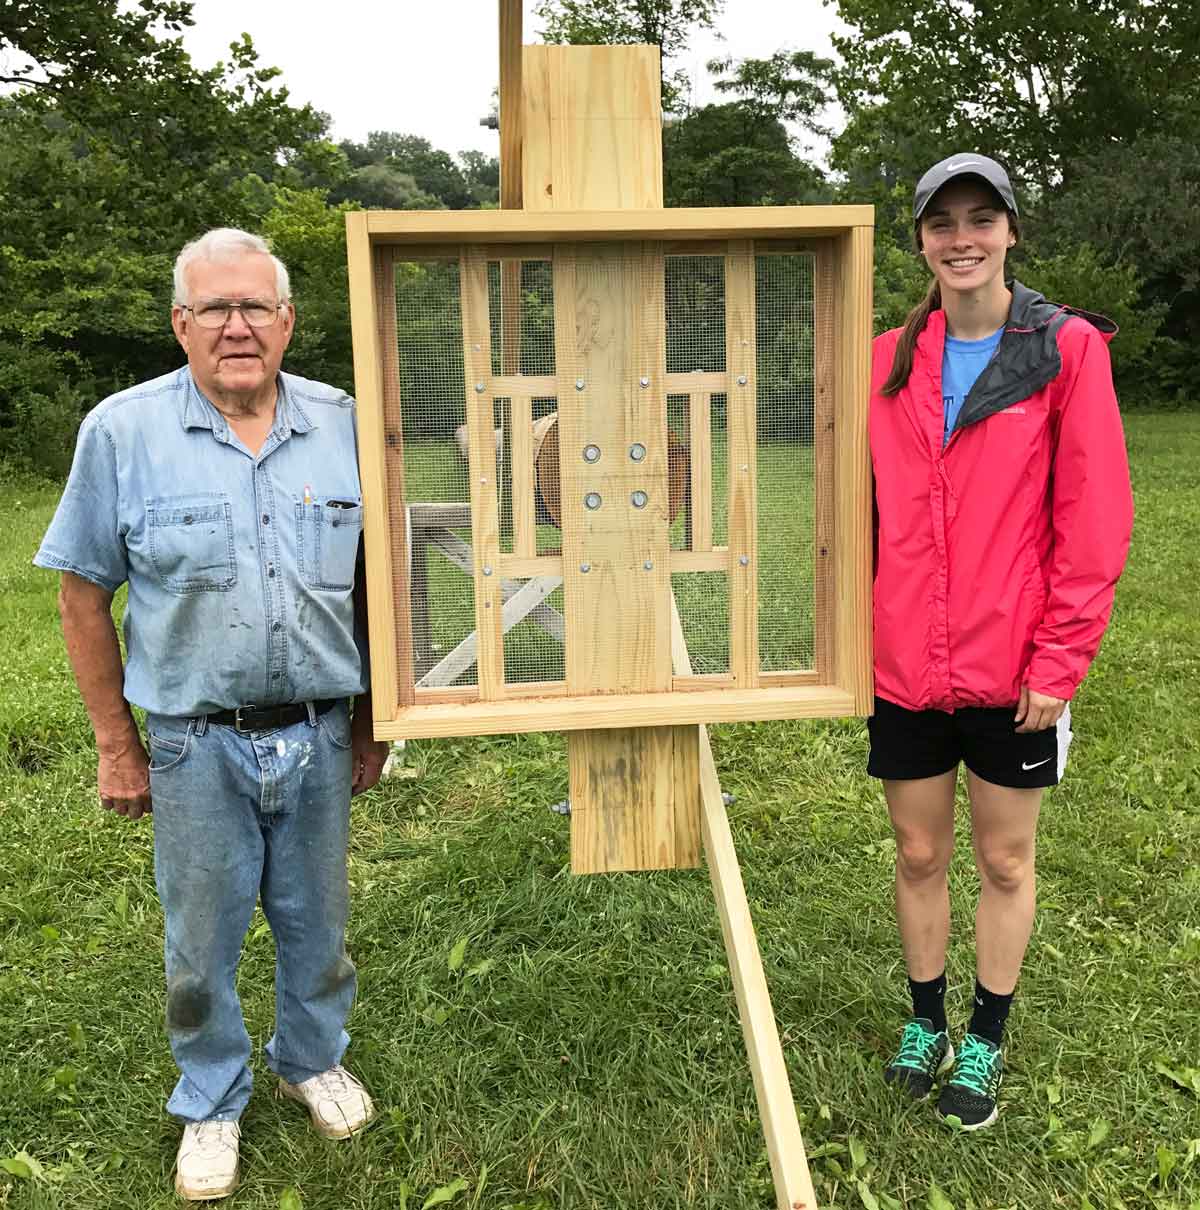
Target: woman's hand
(1037, 711)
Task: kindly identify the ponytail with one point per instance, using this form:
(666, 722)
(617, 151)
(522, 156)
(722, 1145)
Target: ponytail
(914, 325)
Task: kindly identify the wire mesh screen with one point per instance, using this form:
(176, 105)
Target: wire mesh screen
(430, 346)
(534, 630)
(786, 367)
(695, 297)
(703, 601)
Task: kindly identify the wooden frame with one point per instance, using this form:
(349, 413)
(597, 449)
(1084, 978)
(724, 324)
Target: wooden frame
(840, 239)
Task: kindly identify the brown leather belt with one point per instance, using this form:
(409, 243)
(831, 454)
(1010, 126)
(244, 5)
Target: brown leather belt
(267, 718)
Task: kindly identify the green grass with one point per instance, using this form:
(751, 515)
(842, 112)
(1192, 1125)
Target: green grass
(586, 1052)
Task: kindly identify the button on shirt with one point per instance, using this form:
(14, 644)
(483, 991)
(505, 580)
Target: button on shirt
(240, 567)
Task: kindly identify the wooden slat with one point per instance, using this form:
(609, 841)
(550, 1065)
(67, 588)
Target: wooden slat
(597, 224)
(470, 693)
(524, 519)
(384, 624)
(511, 137)
(616, 710)
(699, 380)
(536, 386)
(853, 265)
(741, 363)
(703, 683)
(824, 518)
(607, 320)
(716, 559)
(787, 679)
(700, 458)
(518, 568)
(481, 453)
(776, 1109)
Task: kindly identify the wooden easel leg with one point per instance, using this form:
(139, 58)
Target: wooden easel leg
(776, 1109)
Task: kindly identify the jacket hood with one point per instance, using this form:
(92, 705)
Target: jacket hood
(1031, 310)
(1028, 357)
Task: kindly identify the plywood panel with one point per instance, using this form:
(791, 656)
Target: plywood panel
(615, 555)
(593, 127)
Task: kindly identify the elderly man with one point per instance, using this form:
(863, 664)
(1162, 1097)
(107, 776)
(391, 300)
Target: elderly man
(226, 495)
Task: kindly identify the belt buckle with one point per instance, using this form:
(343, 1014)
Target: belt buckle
(237, 719)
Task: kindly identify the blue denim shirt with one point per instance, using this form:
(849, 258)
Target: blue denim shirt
(240, 568)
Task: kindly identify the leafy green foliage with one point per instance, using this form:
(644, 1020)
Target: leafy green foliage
(667, 24)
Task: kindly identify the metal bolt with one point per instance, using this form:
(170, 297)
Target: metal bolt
(479, 388)
(585, 568)
(644, 381)
(745, 467)
(648, 565)
(744, 560)
(741, 380)
(638, 499)
(637, 451)
(592, 500)
(487, 571)
(591, 453)
(579, 384)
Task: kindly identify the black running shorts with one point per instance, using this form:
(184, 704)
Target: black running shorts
(907, 744)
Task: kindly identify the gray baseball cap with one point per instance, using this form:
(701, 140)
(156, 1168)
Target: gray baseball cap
(965, 164)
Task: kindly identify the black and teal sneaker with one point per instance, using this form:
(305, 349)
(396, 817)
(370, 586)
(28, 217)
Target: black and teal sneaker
(924, 1054)
(968, 1098)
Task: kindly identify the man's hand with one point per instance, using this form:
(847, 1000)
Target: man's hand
(123, 778)
(367, 758)
(1037, 711)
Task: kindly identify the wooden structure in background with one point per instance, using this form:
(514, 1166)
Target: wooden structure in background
(581, 186)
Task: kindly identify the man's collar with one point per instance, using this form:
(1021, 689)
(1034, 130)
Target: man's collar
(199, 413)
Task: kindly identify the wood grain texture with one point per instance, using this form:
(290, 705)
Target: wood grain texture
(741, 358)
(383, 620)
(481, 455)
(523, 512)
(618, 624)
(824, 433)
(700, 442)
(511, 105)
(593, 127)
(449, 227)
(556, 712)
(852, 302)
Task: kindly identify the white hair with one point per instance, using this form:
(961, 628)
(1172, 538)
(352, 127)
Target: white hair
(222, 245)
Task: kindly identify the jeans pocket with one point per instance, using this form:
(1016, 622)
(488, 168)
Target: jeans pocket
(191, 542)
(327, 536)
(335, 725)
(169, 748)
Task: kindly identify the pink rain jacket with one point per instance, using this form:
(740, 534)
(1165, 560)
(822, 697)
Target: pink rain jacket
(997, 556)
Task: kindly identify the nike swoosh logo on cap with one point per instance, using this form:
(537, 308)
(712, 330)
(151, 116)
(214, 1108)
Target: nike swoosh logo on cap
(1036, 763)
(962, 164)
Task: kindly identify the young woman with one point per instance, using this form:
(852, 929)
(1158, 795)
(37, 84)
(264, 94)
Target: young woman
(1003, 520)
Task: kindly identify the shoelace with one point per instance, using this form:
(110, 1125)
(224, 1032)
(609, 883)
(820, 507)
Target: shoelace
(334, 1083)
(916, 1044)
(975, 1066)
(213, 1137)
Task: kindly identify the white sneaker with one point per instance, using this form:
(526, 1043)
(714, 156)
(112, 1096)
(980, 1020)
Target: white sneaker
(338, 1103)
(207, 1164)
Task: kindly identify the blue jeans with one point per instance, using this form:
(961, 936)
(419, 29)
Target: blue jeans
(235, 817)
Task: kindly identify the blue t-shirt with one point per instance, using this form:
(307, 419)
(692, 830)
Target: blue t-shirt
(962, 363)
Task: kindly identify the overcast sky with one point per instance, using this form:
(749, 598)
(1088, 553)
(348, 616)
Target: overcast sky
(428, 67)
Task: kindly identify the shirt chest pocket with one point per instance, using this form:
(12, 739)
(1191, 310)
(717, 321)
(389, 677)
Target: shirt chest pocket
(327, 534)
(191, 542)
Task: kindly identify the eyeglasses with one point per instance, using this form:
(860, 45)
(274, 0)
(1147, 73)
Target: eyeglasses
(216, 312)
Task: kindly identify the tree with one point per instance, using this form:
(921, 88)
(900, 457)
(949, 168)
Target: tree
(433, 173)
(667, 24)
(790, 86)
(730, 155)
(114, 150)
